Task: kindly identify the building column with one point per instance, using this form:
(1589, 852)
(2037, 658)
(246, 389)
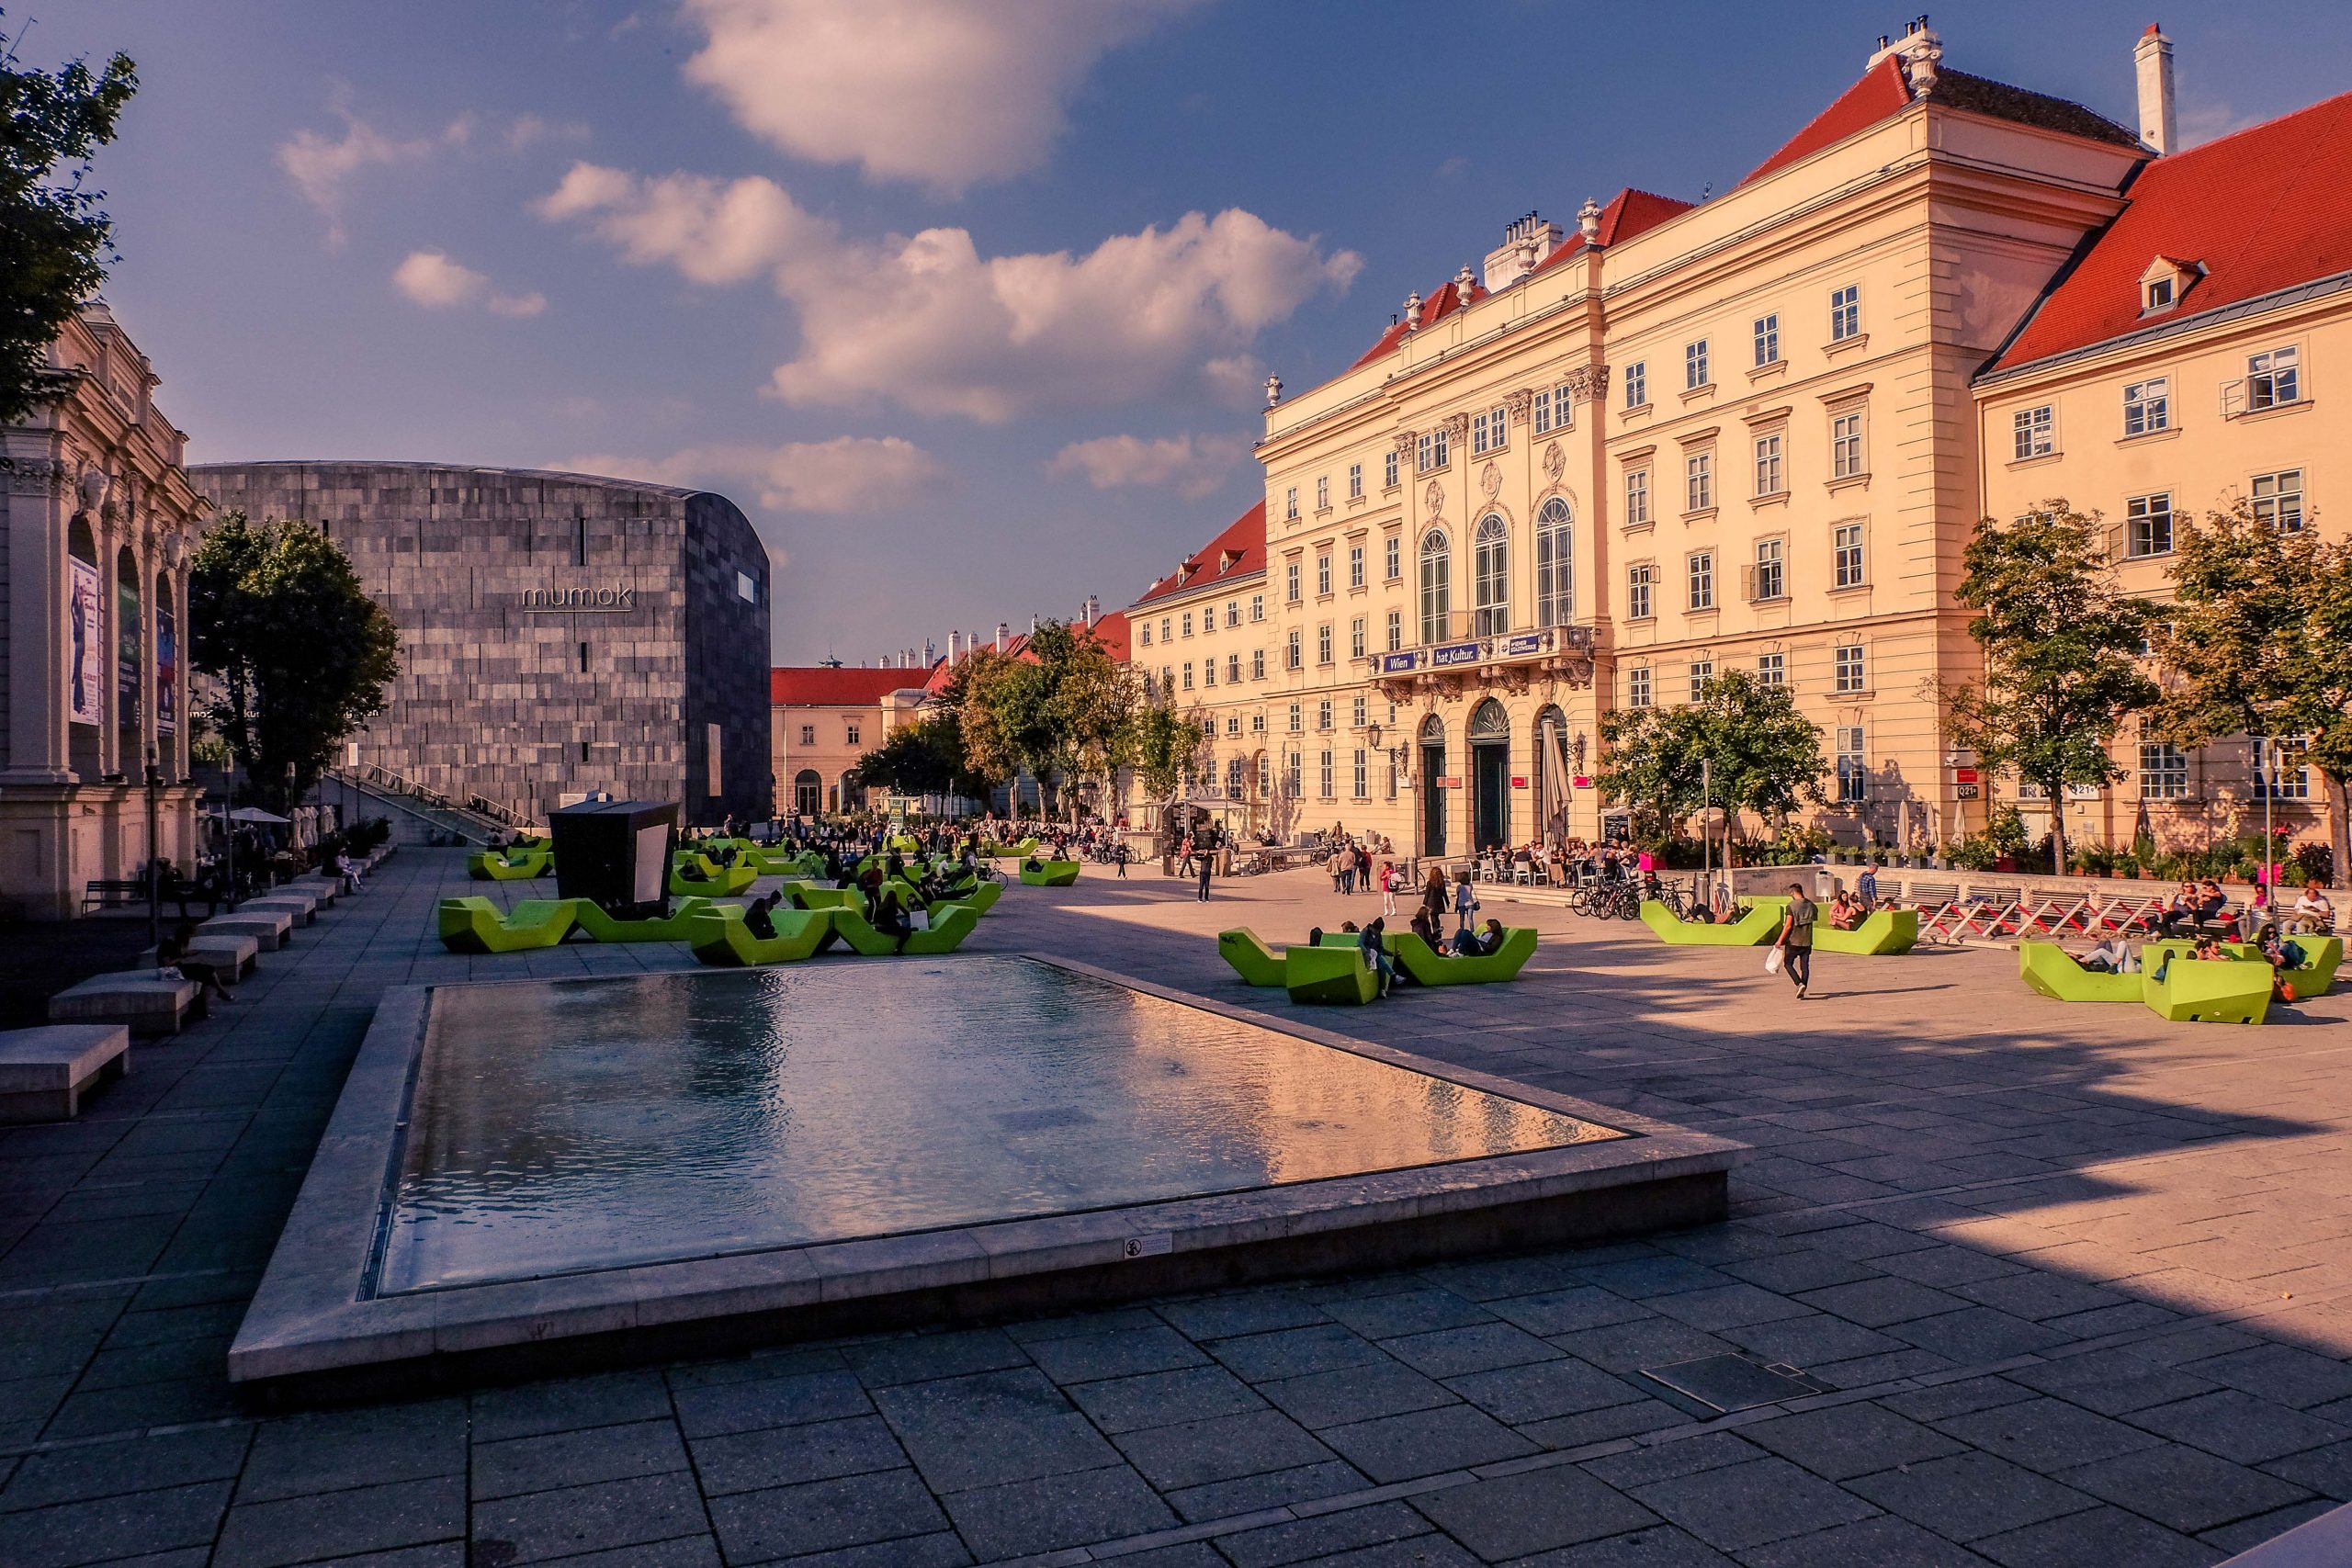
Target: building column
(40, 491)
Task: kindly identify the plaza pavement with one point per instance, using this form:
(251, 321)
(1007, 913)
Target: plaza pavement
(2077, 1282)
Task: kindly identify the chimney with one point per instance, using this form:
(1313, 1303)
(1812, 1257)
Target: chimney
(1525, 244)
(2153, 57)
(1004, 635)
(1092, 611)
(930, 653)
(955, 645)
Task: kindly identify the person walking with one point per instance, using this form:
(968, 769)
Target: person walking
(1387, 874)
(1796, 941)
(1208, 864)
(1465, 901)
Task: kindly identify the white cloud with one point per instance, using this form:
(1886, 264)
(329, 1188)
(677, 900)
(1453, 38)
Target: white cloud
(431, 279)
(320, 166)
(1193, 466)
(944, 93)
(847, 474)
(929, 323)
(528, 130)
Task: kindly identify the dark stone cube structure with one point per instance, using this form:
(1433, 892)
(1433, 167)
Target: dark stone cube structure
(561, 633)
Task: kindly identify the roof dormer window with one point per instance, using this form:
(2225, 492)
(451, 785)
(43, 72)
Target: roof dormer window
(2164, 283)
(2159, 294)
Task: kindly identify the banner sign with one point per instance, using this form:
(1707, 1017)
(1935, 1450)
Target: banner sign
(82, 663)
(167, 670)
(1523, 643)
(1453, 653)
(126, 652)
(1390, 663)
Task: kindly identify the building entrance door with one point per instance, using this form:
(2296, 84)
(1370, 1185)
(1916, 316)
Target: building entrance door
(1490, 776)
(1433, 787)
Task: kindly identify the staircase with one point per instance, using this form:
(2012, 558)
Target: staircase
(475, 822)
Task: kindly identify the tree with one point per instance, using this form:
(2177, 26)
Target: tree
(55, 238)
(2061, 647)
(2259, 642)
(303, 654)
(1761, 756)
(1161, 747)
(1060, 710)
(922, 758)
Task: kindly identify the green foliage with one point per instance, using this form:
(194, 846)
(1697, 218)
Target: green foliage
(1060, 710)
(2315, 861)
(2060, 643)
(303, 654)
(1161, 745)
(1765, 755)
(55, 239)
(922, 758)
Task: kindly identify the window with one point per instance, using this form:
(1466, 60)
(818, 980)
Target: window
(746, 588)
(2279, 500)
(1232, 669)
(1845, 312)
(1556, 596)
(1290, 581)
(808, 735)
(1698, 482)
(1257, 607)
(1323, 714)
(1292, 659)
(1363, 775)
(1767, 465)
(1543, 412)
(2279, 771)
(1147, 633)
(1637, 686)
(1846, 446)
(2271, 380)
(1702, 672)
(2159, 294)
(1356, 637)
(1322, 572)
(1695, 373)
(2164, 772)
(1702, 580)
(1258, 727)
(1392, 558)
(1845, 555)
(1257, 664)
(1853, 769)
(1637, 385)
(1388, 469)
(1355, 481)
(1233, 612)
(1166, 677)
(1355, 566)
(2147, 406)
(1360, 711)
(2036, 430)
(1767, 340)
(1188, 623)
(1845, 663)
(1233, 723)
(1772, 581)
(1188, 674)
(1290, 768)
(1486, 431)
(2147, 526)
(1208, 672)
(1437, 586)
(1323, 775)
(1322, 492)
(1432, 450)
(1638, 497)
(1290, 502)
(1234, 774)
(1639, 581)
(853, 736)
(1490, 576)
(1297, 722)
(1165, 633)
(1396, 630)
(1773, 668)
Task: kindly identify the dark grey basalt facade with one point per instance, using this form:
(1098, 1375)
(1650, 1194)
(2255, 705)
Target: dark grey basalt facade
(559, 633)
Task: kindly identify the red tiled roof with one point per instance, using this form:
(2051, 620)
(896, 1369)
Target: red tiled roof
(823, 686)
(2262, 211)
(1442, 302)
(1881, 92)
(1112, 631)
(1237, 551)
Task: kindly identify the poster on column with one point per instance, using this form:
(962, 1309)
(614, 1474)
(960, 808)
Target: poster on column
(126, 656)
(84, 625)
(167, 672)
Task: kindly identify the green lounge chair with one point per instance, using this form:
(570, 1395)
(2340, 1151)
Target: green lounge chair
(2322, 956)
(1761, 924)
(950, 924)
(719, 936)
(1050, 874)
(589, 916)
(485, 865)
(1881, 932)
(1257, 963)
(2050, 970)
(474, 924)
(982, 897)
(1431, 967)
(1328, 974)
(2197, 991)
(724, 880)
(808, 895)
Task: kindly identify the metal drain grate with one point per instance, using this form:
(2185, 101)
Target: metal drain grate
(1734, 1382)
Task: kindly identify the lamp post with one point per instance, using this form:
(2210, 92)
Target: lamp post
(154, 866)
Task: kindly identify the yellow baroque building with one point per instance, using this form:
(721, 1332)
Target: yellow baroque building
(1675, 441)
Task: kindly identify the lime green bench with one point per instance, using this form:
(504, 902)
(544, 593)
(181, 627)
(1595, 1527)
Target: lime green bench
(1761, 924)
(1431, 967)
(722, 880)
(950, 924)
(1050, 874)
(1328, 974)
(2199, 991)
(809, 895)
(2052, 971)
(719, 936)
(1257, 963)
(2322, 956)
(485, 865)
(1883, 933)
(475, 925)
(589, 916)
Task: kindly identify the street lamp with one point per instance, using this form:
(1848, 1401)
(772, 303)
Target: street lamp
(154, 867)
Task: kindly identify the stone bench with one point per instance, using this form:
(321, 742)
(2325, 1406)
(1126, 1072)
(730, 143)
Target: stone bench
(44, 1070)
(300, 906)
(324, 890)
(270, 928)
(144, 1001)
(230, 952)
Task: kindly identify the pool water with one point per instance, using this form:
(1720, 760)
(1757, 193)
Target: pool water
(563, 1128)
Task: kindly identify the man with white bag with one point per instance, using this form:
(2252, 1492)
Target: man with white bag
(1794, 946)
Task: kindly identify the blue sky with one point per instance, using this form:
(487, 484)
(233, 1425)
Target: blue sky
(964, 302)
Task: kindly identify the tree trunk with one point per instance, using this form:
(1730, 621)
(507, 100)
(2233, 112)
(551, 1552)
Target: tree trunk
(2339, 827)
(2057, 797)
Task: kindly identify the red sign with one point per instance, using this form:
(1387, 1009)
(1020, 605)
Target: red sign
(1517, 782)
(1580, 782)
(1449, 784)
(1963, 775)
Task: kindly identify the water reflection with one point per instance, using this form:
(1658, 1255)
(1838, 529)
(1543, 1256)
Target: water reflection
(588, 1124)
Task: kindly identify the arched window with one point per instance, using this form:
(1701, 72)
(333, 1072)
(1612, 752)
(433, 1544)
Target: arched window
(807, 792)
(1555, 581)
(1437, 587)
(129, 648)
(1432, 731)
(1490, 722)
(1490, 575)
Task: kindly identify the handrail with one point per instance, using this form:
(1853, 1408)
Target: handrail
(379, 777)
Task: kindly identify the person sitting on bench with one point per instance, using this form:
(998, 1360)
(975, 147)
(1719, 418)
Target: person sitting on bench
(890, 918)
(759, 917)
(1375, 953)
(171, 954)
(2110, 957)
(1479, 944)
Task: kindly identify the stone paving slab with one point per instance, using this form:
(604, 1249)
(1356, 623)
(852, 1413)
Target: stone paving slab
(2076, 1285)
